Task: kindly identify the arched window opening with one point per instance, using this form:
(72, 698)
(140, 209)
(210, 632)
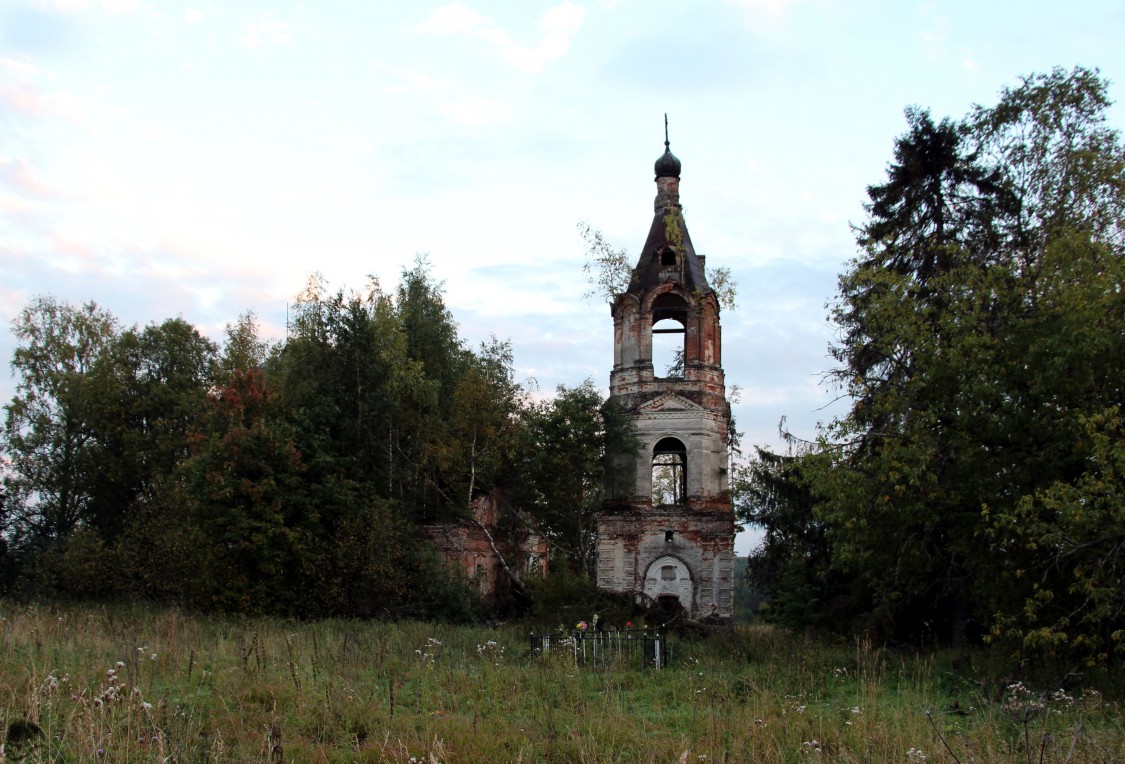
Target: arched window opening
(668, 349)
(669, 322)
(669, 473)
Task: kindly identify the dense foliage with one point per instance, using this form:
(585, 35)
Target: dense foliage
(973, 489)
(289, 479)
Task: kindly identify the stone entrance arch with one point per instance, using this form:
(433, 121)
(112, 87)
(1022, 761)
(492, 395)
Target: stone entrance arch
(668, 576)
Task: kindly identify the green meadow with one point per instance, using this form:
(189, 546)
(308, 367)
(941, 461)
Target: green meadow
(119, 684)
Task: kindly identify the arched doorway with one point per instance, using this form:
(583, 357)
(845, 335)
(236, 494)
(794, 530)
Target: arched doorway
(667, 576)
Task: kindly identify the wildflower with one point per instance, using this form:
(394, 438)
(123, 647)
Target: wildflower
(1022, 703)
(1063, 697)
(915, 756)
(491, 650)
(856, 710)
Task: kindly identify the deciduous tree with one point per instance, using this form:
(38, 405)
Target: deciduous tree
(47, 435)
(564, 474)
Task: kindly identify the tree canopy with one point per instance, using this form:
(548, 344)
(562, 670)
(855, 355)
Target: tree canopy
(291, 478)
(968, 492)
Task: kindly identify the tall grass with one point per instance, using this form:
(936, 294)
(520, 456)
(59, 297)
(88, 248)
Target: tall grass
(114, 684)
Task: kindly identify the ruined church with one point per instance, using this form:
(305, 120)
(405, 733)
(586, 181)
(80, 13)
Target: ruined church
(666, 532)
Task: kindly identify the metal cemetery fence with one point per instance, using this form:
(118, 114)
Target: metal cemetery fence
(602, 649)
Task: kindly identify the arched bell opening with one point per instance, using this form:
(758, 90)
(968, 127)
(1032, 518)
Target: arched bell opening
(669, 335)
(669, 473)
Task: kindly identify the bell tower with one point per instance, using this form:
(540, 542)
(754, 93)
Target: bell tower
(667, 530)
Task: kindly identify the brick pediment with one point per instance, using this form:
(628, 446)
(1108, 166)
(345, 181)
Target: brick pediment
(668, 402)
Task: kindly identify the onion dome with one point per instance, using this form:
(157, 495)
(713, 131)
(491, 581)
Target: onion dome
(667, 166)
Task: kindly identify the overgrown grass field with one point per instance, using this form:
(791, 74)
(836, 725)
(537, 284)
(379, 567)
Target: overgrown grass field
(114, 684)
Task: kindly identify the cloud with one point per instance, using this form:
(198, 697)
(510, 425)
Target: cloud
(934, 40)
(408, 79)
(763, 10)
(20, 94)
(17, 174)
(139, 284)
(457, 101)
(37, 32)
(775, 7)
(456, 18)
(19, 69)
(446, 97)
(265, 30)
(475, 110)
(115, 7)
(559, 24)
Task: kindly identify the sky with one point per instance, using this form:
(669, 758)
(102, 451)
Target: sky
(203, 159)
